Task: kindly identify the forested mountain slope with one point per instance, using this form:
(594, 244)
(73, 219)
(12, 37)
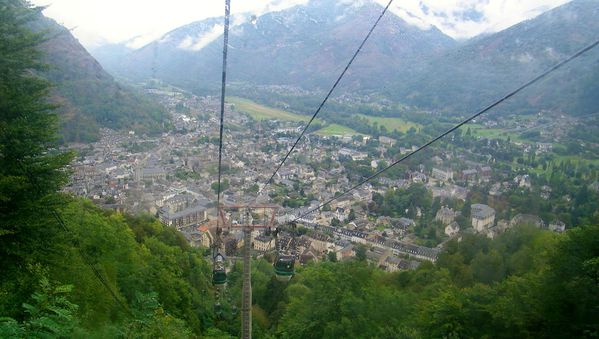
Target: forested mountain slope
(304, 46)
(88, 97)
(469, 76)
(69, 269)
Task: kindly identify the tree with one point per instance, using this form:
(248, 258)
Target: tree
(361, 252)
(224, 185)
(571, 293)
(352, 215)
(31, 170)
(51, 315)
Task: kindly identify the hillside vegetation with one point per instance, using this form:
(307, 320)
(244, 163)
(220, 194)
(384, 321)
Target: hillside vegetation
(88, 98)
(71, 270)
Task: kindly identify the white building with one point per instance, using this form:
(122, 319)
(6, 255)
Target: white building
(452, 229)
(483, 217)
(264, 243)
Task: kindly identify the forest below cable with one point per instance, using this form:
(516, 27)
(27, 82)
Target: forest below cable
(71, 270)
(525, 283)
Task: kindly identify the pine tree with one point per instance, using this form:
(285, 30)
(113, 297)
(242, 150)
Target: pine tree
(31, 169)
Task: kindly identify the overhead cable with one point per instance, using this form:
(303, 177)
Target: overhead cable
(326, 97)
(222, 104)
(452, 129)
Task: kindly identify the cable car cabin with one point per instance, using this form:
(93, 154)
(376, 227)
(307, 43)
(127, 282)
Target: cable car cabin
(219, 274)
(284, 267)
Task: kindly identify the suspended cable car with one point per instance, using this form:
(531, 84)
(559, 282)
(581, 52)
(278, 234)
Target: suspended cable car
(219, 274)
(284, 267)
(284, 263)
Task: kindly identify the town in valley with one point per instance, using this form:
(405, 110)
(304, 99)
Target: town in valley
(397, 221)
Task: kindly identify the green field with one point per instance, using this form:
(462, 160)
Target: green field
(558, 159)
(261, 112)
(391, 124)
(576, 159)
(334, 129)
(491, 133)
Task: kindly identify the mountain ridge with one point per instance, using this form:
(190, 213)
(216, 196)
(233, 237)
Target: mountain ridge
(484, 69)
(307, 46)
(88, 97)
(304, 45)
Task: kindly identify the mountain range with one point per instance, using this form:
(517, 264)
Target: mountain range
(307, 46)
(475, 73)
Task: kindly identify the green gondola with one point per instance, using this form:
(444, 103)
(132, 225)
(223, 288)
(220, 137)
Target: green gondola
(219, 278)
(219, 274)
(284, 267)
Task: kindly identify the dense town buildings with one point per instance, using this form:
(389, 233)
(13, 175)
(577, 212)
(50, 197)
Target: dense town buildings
(172, 176)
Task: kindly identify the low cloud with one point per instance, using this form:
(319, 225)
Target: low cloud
(137, 22)
(201, 41)
(463, 19)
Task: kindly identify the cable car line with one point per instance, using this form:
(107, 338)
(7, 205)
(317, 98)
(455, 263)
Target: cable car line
(452, 129)
(222, 99)
(327, 96)
(284, 263)
(219, 274)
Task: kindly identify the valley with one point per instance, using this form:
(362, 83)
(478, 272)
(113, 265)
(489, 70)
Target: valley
(133, 207)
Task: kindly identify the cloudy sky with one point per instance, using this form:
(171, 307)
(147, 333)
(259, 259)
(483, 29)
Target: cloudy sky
(96, 22)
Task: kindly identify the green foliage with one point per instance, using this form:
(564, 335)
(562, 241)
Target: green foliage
(332, 256)
(395, 202)
(151, 321)
(182, 174)
(150, 267)
(90, 98)
(361, 252)
(340, 301)
(224, 185)
(525, 283)
(573, 302)
(50, 315)
(31, 170)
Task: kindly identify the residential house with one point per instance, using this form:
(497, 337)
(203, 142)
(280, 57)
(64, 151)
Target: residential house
(557, 226)
(527, 219)
(150, 173)
(383, 140)
(483, 216)
(207, 238)
(444, 175)
(307, 256)
(405, 223)
(445, 215)
(469, 175)
(193, 214)
(452, 229)
(485, 173)
(320, 242)
(263, 243)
